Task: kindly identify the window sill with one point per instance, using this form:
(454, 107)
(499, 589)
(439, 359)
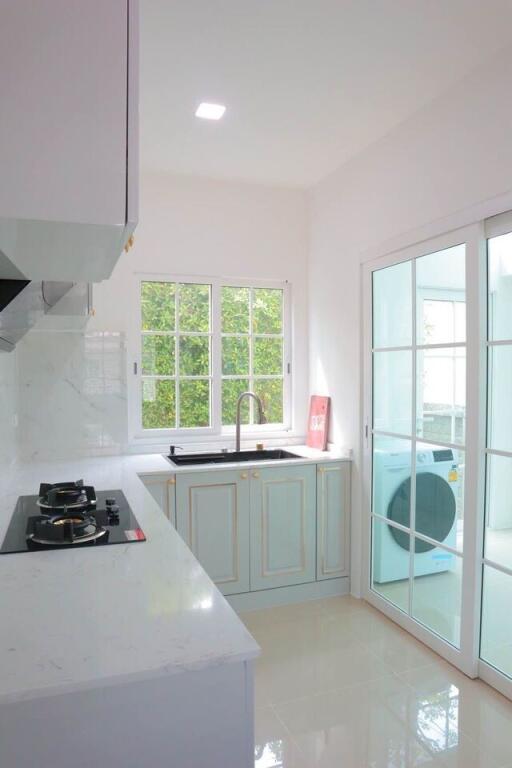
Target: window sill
(197, 442)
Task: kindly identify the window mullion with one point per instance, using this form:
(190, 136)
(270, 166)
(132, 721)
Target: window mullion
(177, 355)
(216, 358)
(251, 355)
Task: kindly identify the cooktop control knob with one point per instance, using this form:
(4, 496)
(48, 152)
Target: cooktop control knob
(112, 510)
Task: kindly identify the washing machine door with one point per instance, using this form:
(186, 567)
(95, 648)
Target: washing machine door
(435, 510)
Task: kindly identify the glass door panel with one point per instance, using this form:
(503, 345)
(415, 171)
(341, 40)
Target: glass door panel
(392, 459)
(498, 519)
(440, 494)
(441, 296)
(437, 598)
(392, 402)
(390, 575)
(496, 637)
(392, 306)
(419, 350)
(500, 396)
(441, 394)
(500, 287)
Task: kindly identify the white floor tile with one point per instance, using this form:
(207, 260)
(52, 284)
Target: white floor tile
(476, 711)
(358, 727)
(273, 744)
(340, 686)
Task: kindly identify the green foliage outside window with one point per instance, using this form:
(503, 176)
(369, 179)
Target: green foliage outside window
(176, 344)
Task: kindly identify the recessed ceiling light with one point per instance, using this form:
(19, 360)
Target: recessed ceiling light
(210, 111)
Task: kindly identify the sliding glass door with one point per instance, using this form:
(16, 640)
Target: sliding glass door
(496, 618)
(438, 444)
(424, 389)
(419, 407)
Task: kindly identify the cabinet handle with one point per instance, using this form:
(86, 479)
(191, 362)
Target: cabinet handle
(243, 475)
(129, 243)
(256, 474)
(172, 481)
(321, 470)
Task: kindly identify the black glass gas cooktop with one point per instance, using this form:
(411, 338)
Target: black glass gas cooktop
(103, 517)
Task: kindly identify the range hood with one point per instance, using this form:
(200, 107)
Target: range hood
(24, 302)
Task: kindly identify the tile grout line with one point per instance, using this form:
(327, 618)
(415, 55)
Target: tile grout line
(288, 731)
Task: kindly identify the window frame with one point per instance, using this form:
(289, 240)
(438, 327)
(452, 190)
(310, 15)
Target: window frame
(216, 430)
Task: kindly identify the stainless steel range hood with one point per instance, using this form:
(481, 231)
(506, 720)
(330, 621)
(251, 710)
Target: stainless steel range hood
(23, 303)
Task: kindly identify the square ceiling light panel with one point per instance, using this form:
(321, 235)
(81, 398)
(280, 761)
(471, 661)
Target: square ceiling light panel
(208, 111)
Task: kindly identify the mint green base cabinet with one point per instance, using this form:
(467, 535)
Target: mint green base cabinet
(212, 516)
(283, 526)
(333, 505)
(162, 490)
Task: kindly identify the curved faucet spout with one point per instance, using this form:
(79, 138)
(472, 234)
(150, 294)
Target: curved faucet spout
(261, 413)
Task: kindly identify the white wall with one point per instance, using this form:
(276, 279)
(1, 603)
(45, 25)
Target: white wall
(193, 226)
(451, 156)
(187, 226)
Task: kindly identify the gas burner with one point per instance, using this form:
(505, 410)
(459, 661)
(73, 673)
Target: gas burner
(64, 529)
(66, 496)
(71, 515)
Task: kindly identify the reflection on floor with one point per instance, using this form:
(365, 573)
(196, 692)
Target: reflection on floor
(340, 686)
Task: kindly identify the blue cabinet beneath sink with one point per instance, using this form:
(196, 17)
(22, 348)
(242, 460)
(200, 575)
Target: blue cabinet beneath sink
(212, 516)
(283, 526)
(260, 528)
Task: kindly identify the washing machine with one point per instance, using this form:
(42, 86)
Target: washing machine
(437, 487)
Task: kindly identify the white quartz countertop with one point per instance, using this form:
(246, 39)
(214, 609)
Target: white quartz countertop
(72, 619)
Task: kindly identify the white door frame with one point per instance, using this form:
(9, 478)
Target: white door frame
(465, 658)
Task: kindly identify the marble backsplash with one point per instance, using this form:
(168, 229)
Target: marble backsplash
(71, 394)
(8, 407)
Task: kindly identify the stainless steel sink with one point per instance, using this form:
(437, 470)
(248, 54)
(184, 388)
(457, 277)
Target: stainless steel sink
(228, 457)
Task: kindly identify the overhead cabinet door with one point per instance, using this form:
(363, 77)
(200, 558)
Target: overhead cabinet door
(68, 136)
(283, 522)
(213, 519)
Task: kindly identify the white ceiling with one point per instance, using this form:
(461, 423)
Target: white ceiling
(307, 83)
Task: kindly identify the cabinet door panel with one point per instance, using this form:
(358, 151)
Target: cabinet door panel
(283, 510)
(63, 125)
(333, 489)
(213, 518)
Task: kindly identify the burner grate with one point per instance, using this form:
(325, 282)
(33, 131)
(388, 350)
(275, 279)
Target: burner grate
(63, 496)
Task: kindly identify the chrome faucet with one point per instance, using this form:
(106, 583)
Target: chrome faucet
(261, 412)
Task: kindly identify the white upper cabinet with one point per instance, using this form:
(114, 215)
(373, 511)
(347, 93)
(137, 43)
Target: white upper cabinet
(68, 136)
